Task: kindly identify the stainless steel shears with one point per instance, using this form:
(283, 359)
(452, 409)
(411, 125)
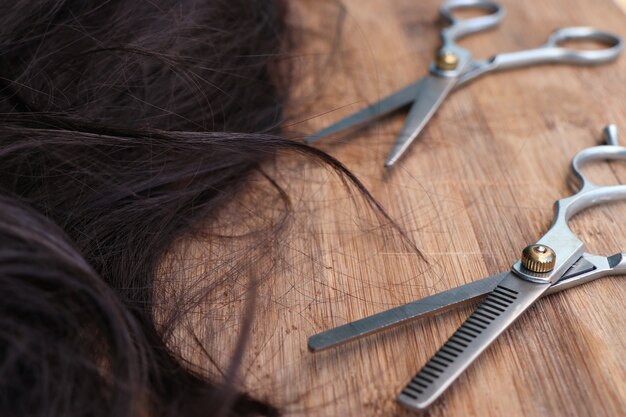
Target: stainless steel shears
(455, 67)
(557, 261)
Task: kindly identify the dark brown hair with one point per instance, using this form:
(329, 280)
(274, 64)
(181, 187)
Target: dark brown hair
(124, 126)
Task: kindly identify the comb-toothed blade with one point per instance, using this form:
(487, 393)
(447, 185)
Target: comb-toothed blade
(433, 90)
(384, 106)
(500, 309)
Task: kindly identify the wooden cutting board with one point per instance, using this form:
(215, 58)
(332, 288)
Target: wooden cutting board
(476, 187)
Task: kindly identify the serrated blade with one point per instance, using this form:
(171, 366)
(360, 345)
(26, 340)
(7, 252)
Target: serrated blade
(495, 314)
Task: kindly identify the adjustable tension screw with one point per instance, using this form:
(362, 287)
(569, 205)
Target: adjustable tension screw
(447, 60)
(538, 258)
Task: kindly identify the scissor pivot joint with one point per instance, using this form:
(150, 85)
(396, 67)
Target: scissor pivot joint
(538, 258)
(447, 60)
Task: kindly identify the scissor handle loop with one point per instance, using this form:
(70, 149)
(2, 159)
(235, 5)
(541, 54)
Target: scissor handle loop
(567, 246)
(462, 27)
(589, 193)
(614, 45)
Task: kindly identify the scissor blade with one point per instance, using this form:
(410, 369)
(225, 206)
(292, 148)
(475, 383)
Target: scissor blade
(433, 90)
(380, 108)
(496, 313)
(393, 317)
(582, 270)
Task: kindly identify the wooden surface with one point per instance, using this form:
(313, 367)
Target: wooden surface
(476, 187)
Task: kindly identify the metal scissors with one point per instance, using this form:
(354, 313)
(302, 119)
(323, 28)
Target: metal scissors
(556, 262)
(455, 67)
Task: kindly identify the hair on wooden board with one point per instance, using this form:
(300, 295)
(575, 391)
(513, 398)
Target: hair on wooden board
(125, 126)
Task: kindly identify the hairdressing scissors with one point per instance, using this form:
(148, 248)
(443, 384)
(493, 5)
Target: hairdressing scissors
(557, 261)
(455, 67)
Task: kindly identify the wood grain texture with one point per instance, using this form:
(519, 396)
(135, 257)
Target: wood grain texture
(474, 189)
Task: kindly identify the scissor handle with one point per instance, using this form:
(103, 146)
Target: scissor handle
(590, 193)
(614, 45)
(552, 52)
(463, 27)
(560, 237)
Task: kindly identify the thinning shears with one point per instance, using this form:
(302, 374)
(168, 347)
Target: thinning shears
(557, 261)
(455, 67)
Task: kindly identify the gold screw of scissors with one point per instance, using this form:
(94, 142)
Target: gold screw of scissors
(447, 60)
(538, 258)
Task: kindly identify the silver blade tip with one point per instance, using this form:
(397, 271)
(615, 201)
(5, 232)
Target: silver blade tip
(392, 159)
(311, 139)
(315, 344)
(410, 402)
